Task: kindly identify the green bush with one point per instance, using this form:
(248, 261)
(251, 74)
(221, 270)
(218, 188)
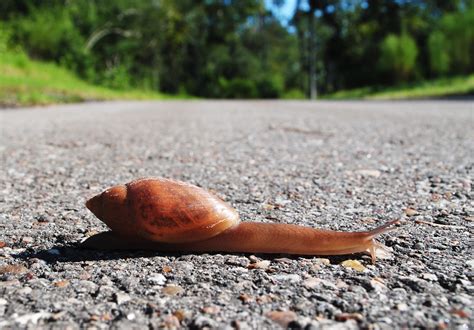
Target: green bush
(398, 56)
(458, 30)
(48, 33)
(238, 88)
(438, 48)
(270, 87)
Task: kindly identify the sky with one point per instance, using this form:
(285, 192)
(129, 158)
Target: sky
(285, 12)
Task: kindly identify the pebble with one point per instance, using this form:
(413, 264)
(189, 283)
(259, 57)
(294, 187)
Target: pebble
(419, 246)
(402, 307)
(55, 252)
(429, 277)
(410, 212)
(283, 318)
(311, 282)
(353, 264)
(211, 309)
(292, 278)
(157, 279)
(27, 239)
(368, 172)
(204, 321)
(25, 291)
(470, 263)
(349, 316)
(121, 297)
(32, 318)
(171, 290)
(264, 264)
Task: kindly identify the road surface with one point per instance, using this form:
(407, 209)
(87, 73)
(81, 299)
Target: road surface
(333, 165)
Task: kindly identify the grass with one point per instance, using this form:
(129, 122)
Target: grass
(438, 88)
(25, 82)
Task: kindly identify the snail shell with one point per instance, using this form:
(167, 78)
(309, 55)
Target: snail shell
(163, 210)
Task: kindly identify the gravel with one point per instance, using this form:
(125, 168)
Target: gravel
(335, 165)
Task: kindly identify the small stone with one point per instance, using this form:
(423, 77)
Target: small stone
(245, 298)
(13, 269)
(166, 269)
(354, 264)
(322, 261)
(121, 297)
(237, 261)
(268, 207)
(211, 309)
(311, 282)
(253, 258)
(25, 291)
(157, 279)
(61, 284)
(264, 264)
(171, 322)
(378, 284)
(27, 239)
(131, 316)
(470, 263)
(419, 246)
(2, 244)
(349, 316)
(283, 318)
(429, 277)
(203, 321)
(32, 318)
(171, 290)
(372, 173)
(402, 307)
(3, 302)
(264, 299)
(461, 313)
(410, 212)
(55, 252)
(293, 278)
(180, 314)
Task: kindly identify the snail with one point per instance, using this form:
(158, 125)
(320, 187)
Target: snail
(167, 215)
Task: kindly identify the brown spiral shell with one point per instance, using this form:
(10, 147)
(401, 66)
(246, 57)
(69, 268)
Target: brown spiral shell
(163, 210)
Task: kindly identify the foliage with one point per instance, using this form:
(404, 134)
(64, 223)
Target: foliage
(398, 56)
(239, 49)
(439, 53)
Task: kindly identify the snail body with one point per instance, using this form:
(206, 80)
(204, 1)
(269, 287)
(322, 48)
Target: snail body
(168, 215)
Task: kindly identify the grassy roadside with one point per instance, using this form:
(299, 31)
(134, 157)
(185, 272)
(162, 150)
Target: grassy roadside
(428, 89)
(25, 82)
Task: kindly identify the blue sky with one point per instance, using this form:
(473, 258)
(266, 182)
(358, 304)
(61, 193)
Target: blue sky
(285, 12)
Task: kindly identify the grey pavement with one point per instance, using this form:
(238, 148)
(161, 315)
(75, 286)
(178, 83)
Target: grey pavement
(334, 165)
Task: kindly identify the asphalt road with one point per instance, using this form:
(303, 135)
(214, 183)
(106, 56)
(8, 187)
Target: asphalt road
(334, 165)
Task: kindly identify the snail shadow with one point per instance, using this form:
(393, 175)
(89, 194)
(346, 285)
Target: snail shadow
(105, 246)
(74, 252)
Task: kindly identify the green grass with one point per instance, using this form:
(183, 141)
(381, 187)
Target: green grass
(428, 89)
(25, 82)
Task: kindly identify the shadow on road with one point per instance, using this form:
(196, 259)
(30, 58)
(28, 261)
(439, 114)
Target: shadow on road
(75, 253)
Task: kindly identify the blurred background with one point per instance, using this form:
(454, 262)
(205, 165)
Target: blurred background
(65, 50)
